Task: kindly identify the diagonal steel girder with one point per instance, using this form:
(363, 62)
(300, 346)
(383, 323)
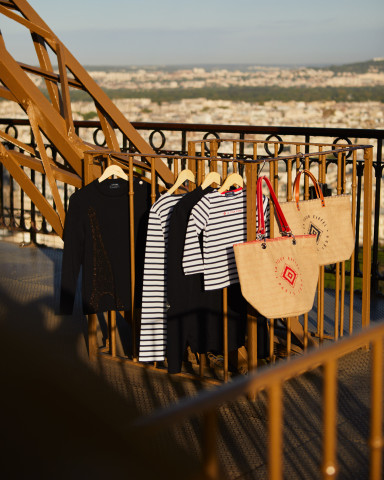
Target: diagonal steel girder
(109, 114)
(50, 121)
(52, 116)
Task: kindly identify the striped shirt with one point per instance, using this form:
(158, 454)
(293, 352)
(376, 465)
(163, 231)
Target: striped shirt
(153, 333)
(222, 217)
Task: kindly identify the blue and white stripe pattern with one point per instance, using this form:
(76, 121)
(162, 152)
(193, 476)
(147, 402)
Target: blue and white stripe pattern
(153, 331)
(222, 217)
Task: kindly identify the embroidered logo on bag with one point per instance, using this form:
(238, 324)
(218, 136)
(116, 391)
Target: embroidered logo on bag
(316, 225)
(288, 275)
(313, 230)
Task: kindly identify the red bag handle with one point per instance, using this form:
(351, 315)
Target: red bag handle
(285, 229)
(296, 184)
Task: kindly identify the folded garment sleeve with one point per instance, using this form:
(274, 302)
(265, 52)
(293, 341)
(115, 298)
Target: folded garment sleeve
(72, 255)
(193, 258)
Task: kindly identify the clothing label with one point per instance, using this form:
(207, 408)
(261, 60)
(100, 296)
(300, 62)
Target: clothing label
(231, 212)
(229, 194)
(114, 186)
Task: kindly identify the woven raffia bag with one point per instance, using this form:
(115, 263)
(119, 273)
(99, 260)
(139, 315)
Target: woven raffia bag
(329, 218)
(278, 277)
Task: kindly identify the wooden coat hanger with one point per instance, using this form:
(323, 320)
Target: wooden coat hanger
(232, 179)
(113, 170)
(212, 177)
(183, 176)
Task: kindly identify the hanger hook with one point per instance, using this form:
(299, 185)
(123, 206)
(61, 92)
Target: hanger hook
(261, 169)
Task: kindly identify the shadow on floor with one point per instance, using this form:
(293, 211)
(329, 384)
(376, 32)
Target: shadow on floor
(68, 418)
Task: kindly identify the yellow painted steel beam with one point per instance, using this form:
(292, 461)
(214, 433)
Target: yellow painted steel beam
(22, 21)
(17, 143)
(8, 4)
(54, 77)
(45, 63)
(107, 127)
(66, 105)
(46, 163)
(95, 91)
(60, 174)
(50, 121)
(7, 94)
(46, 209)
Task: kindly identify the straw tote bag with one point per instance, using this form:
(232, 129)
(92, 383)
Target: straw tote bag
(278, 277)
(329, 218)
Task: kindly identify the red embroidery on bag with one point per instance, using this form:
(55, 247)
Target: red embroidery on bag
(287, 273)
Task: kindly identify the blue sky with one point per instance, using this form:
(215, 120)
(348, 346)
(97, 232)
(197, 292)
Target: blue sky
(158, 32)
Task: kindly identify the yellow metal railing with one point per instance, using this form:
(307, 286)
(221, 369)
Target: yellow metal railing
(272, 380)
(269, 379)
(201, 166)
(311, 155)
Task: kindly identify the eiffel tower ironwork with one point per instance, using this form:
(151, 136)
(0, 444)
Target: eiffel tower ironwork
(50, 116)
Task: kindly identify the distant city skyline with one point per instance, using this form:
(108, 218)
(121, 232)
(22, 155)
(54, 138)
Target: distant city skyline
(150, 32)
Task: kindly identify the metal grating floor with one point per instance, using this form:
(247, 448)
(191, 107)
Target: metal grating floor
(69, 418)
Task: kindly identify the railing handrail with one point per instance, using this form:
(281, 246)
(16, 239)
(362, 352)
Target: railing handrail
(259, 380)
(301, 155)
(183, 134)
(199, 127)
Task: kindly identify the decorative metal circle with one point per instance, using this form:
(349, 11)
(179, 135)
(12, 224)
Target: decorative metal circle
(15, 131)
(334, 145)
(214, 134)
(163, 139)
(329, 163)
(95, 134)
(266, 147)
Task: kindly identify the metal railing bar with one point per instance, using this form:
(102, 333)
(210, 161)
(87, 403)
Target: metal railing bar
(378, 175)
(258, 381)
(275, 425)
(275, 142)
(376, 440)
(194, 127)
(122, 155)
(329, 418)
